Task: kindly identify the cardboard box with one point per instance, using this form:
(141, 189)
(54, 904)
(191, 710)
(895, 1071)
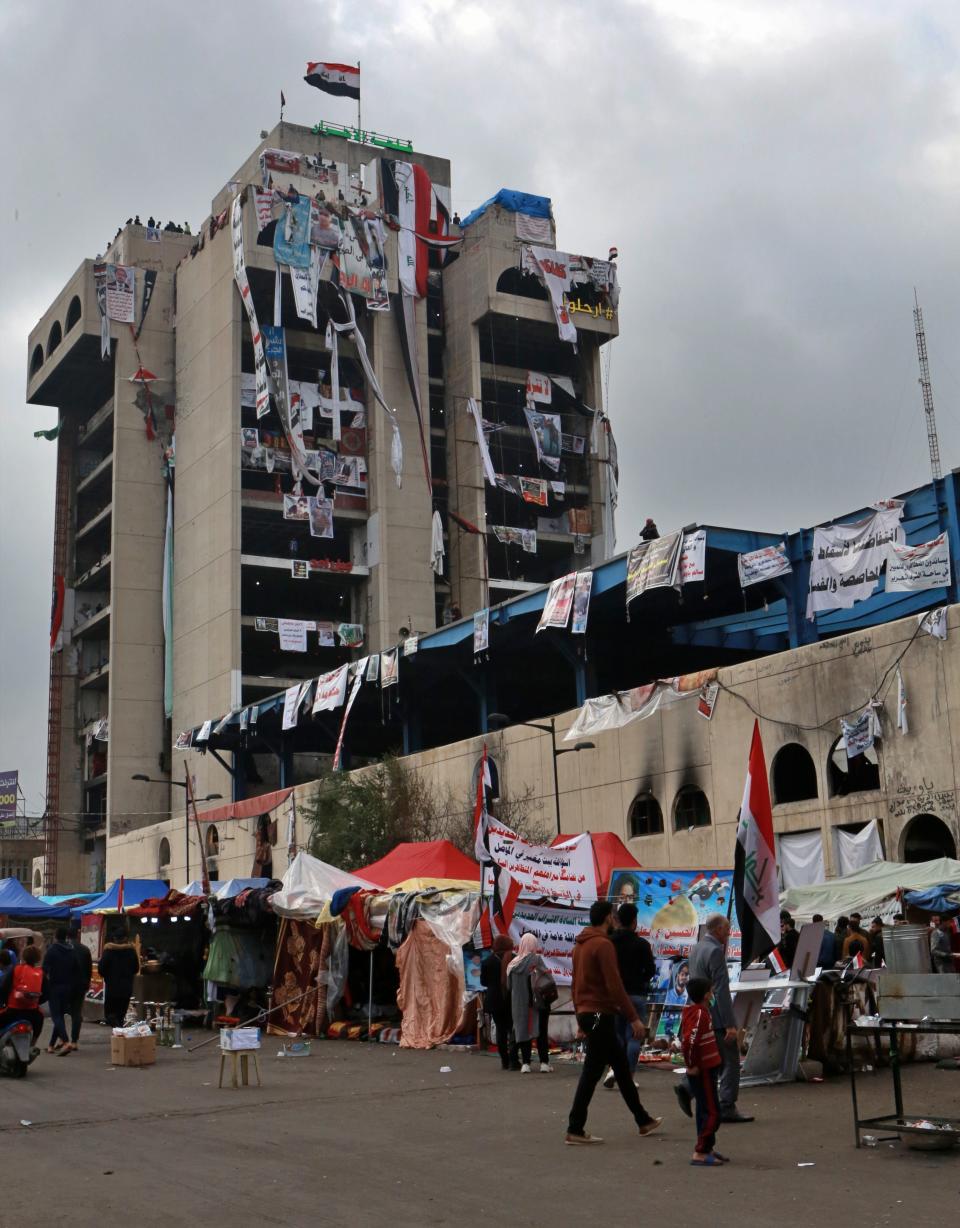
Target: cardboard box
(133, 1050)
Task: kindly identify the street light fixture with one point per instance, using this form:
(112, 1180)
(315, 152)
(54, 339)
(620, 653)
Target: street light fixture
(498, 720)
(180, 784)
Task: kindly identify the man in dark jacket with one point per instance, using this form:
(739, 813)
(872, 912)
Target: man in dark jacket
(60, 969)
(119, 964)
(637, 969)
(827, 955)
(84, 973)
(496, 999)
(598, 997)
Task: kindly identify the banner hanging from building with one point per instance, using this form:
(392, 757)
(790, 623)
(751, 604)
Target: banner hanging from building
(654, 564)
(354, 691)
(911, 569)
(545, 433)
(693, 557)
(331, 690)
(293, 634)
(581, 602)
(556, 609)
(121, 281)
(539, 388)
(481, 631)
(149, 282)
(848, 559)
(261, 392)
(765, 564)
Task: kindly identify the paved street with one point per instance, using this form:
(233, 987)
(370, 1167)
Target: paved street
(375, 1135)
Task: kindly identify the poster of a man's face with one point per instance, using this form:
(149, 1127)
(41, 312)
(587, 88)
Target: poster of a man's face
(249, 437)
(295, 507)
(321, 517)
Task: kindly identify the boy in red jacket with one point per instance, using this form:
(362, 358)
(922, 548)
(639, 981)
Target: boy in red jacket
(703, 1061)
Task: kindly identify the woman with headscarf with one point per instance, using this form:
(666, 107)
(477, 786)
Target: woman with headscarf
(493, 977)
(531, 1014)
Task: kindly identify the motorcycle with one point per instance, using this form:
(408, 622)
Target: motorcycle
(17, 1050)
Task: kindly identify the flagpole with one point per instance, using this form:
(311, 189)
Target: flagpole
(359, 124)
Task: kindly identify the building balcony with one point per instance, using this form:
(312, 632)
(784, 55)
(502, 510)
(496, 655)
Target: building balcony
(98, 519)
(96, 577)
(63, 350)
(94, 626)
(96, 679)
(98, 477)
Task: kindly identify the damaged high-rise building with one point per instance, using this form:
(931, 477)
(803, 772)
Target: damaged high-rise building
(333, 419)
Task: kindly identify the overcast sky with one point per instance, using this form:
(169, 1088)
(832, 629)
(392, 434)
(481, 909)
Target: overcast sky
(777, 178)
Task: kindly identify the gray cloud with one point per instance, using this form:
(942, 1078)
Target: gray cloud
(777, 177)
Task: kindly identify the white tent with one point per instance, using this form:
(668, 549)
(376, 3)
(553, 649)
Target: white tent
(871, 891)
(308, 885)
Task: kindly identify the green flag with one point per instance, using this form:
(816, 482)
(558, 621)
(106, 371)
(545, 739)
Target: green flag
(51, 434)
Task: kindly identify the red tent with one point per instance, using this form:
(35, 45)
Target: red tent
(609, 854)
(417, 866)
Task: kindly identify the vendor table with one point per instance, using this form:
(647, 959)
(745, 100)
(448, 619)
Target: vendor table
(898, 1120)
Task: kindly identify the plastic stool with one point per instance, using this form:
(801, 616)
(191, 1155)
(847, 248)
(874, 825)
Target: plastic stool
(242, 1067)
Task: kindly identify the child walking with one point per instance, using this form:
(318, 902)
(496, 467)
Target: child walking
(703, 1062)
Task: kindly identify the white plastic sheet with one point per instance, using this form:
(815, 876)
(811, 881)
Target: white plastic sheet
(308, 885)
(855, 850)
(800, 855)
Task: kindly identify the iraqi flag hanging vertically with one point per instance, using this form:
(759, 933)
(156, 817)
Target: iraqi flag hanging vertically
(506, 889)
(755, 866)
(340, 79)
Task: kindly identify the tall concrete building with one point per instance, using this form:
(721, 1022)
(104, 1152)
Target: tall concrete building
(152, 360)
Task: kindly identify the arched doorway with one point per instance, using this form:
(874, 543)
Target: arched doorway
(926, 837)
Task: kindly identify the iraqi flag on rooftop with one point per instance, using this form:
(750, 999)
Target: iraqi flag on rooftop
(755, 865)
(340, 79)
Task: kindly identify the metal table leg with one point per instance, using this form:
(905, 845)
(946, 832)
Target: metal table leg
(895, 1067)
(853, 1076)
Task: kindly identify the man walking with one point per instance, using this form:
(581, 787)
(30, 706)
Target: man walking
(84, 973)
(598, 997)
(637, 969)
(60, 969)
(708, 961)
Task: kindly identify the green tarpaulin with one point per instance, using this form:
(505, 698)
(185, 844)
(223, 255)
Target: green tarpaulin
(871, 891)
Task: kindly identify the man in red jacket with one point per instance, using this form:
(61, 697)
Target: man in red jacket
(699, 1043)
(598, 997)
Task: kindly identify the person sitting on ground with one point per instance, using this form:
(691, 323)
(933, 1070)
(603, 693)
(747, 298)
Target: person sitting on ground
(496, 999)
(703, 1061)
(637, 970)
(23, 990)
(527, 1008)
(827, 955)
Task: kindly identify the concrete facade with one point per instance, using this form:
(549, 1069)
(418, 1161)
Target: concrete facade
(799, 695)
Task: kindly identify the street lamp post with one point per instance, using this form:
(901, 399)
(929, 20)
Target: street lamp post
(180, 784)
(498, 720)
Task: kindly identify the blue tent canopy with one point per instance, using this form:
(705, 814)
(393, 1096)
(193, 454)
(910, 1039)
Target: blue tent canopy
(515, 202)
(135, 891)
(16, 901)
(943, 898)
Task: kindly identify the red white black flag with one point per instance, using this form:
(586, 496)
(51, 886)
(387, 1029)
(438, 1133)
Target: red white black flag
(506, 889)
(340, 79)
(755, 867)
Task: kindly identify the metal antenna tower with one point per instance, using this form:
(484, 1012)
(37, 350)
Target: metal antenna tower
(933, 442)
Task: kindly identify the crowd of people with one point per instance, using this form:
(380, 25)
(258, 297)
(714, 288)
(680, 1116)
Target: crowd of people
(60, 978)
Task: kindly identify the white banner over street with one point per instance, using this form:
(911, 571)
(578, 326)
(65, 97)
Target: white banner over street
(568, 873)
(848, 559)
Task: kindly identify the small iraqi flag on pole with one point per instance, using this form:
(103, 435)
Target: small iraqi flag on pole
(755, 866)
(340, 79)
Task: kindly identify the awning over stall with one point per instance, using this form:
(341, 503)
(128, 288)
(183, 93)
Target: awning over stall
(16, 901)
(135, 891)
(871, 891)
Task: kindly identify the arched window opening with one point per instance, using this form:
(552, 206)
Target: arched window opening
(73, 312)
(645, 817)
(860, 774)
(691, 809)
(794, 775)
(56, 336)
(36, 359)
(213, 841)
(520, 283)
(926, 837)
(163, 853)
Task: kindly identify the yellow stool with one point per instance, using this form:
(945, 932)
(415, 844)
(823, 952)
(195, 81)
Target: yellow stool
(242, 1067)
